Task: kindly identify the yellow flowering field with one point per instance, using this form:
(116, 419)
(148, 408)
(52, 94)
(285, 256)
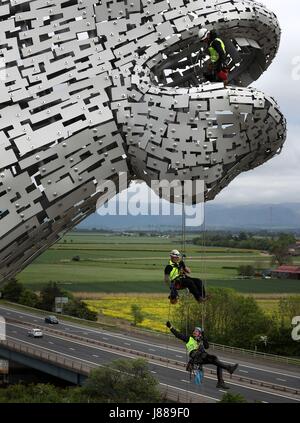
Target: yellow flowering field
(155, 308)
(269, 306)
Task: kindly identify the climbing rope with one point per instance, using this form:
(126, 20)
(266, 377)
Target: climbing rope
(186, 334)
(203, 268)
(167, 349)
(183, 230)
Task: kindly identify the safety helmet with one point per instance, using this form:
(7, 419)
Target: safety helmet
(197, 329)
(175, 253)
(203, 34)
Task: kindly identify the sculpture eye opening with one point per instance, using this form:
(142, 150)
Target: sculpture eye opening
(185, 63)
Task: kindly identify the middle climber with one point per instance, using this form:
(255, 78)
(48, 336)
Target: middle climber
(177, 277)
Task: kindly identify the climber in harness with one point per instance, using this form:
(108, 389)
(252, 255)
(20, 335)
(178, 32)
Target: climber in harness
(196, 344)
(176, 277)
(217, 70)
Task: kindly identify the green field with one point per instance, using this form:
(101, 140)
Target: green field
(111, 263)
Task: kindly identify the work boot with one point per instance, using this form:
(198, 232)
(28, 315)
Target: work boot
(232, 368)
(222, 385)
(204, 299)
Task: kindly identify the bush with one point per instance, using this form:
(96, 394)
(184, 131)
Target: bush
(48, 294)
(39, 393)
(79, 309)
(229, 398)
(246, 270)
(29, 298)
(12, 290)
(125, 381)
(137, 314)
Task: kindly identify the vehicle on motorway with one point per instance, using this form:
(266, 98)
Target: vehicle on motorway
(51, 319)
(35, 333)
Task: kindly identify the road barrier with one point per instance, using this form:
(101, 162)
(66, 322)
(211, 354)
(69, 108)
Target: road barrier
(49, 357)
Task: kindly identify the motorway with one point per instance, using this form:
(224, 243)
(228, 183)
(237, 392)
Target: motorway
(166, 373)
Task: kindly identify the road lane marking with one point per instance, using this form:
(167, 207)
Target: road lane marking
(94, 355)
(151, 349)
(49, 342)
(243, 371)
(152, 371)
(127, 343)
(73, 349)
(179, 356)
(281, 380)
(225, 392)
(265, 370)
(186, 381)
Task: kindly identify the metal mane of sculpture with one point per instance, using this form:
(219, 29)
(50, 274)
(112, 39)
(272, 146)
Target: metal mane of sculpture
(89, 89)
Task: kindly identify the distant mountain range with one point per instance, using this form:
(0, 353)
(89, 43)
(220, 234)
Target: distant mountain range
(217, 216)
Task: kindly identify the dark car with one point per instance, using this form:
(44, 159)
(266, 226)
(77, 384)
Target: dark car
(51, 319)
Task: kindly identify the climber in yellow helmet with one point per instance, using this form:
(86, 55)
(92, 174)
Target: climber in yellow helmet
(196, 345)
(177, 277)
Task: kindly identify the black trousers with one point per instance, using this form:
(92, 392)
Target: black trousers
(194, 285)
(211, 76)
(200, 358)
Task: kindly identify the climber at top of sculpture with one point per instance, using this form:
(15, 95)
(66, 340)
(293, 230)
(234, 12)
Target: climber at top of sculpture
(89, 89)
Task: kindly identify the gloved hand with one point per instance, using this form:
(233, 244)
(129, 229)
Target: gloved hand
(168, 324)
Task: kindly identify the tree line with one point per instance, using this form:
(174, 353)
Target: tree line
(238, 321)
(277, 246)
(16, 292)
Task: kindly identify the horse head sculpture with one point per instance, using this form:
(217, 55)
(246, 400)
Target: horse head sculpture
(90, 89)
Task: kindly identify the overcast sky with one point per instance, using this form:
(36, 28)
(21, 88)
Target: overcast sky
(277, 181)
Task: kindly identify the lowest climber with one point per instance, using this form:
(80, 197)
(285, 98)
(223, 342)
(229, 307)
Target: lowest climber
(196, 344)
(176, 277)
(217, 70)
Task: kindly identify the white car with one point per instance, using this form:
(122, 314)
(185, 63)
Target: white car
(36, 333)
